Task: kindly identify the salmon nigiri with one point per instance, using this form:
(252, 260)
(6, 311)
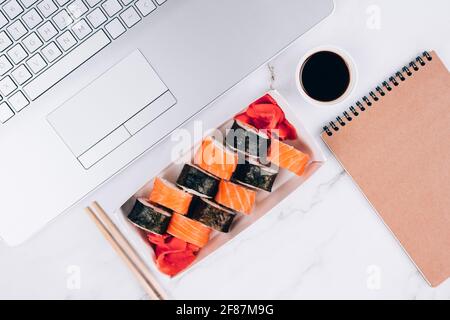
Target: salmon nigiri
(287, 157)
(235, 197)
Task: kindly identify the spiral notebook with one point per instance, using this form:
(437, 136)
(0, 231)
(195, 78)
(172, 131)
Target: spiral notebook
(395, 144)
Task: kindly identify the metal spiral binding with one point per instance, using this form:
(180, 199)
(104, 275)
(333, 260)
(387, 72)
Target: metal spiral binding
(379, 92)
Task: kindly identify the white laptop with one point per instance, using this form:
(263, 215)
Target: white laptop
(87, 86)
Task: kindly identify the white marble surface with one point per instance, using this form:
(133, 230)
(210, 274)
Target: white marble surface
(324, 241)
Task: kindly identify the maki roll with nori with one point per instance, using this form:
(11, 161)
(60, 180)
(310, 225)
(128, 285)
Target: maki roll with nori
(168, 195)
(255, 175)
(149, 217)
(247, 140)
(197, 181)
(212, 214)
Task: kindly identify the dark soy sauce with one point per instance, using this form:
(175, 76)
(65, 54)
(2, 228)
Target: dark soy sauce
(325, 76)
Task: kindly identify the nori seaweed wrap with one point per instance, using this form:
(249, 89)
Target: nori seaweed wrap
(255, 175)
(197, 181)
(149, 217)
(247, 140)
(212, 214)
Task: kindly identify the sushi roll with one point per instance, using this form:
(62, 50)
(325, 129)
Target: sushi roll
(236, 197)
(170, 196)
(197, 181)
(216, 159)
(247, 140)
(212, 215)
(255, 175)
(189, 230)
(287, 157)
(149, 217)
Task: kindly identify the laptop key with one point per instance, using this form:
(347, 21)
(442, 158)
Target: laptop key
(5, 112)
(18, 101)
(5, 65)
(145, 7)
(51, 52)
(21, 75)
(32, 18)
(36, 63)
(96, 18)
(115, 28)
(47, 31)
(77, 8)
(112, 7)
(12, 9)
(32, 42)
(81, 29)
(66, 65)
(130, 17)
(47, 8)
(62, 19)
(66, 40)
(7, 86)
(3, 20)
(17, 53)
(17, 30)
(5, 41)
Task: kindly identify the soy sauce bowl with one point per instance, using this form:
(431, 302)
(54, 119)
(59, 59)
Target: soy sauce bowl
(350, 66)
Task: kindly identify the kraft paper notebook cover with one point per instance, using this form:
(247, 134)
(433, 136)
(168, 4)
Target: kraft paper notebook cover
(395, 144)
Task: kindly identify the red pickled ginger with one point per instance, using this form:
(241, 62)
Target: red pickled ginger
(172, 254)
(266, 114)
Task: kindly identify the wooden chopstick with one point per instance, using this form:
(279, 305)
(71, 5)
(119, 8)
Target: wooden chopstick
(126, 251)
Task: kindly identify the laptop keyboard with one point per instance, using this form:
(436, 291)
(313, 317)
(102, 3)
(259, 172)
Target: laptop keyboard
(42, 41)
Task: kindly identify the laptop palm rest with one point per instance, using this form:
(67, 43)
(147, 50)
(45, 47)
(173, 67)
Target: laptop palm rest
(111, 109)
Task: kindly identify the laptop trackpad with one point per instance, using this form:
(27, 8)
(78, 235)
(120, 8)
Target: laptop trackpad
(111, 109)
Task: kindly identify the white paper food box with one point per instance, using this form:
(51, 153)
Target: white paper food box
(285, 184)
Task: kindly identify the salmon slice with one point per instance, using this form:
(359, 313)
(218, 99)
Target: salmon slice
(287, 157)
(216, 159)
(189, 230)
(235, 197)
(170, 196)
